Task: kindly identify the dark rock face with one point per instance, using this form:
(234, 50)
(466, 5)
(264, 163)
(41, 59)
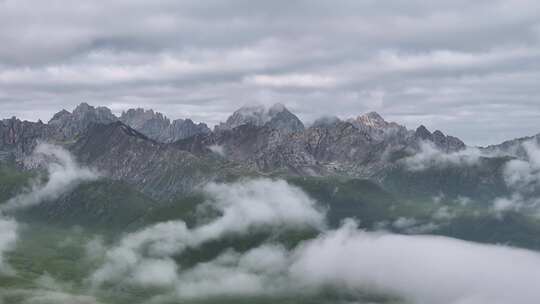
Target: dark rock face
(157, 169)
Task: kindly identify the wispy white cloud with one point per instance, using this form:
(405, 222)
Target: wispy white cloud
(522, 175)
(63, 174)
(430, 156)
(243, 207)
(219, 150)
(8, 238)
(417, 269)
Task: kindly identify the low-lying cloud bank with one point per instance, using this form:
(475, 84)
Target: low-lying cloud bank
(422, 269)
(63, 174)
(430, 156)
(417, 269)
(243, 207)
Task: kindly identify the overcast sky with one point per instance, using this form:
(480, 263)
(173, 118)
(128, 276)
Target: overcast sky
(469, 68)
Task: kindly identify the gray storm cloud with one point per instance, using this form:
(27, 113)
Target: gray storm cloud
(63, 174)
(440, 65)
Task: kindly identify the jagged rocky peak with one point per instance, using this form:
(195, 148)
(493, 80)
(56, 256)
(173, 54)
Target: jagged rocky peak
(256, 115)
(422, 132)
(84, 113)
(98, 114)
(137, 118)
(19, 138)
(158, 127)
(444, 142)
(379, 129)
(71, 124)
(184, 128)
(372, 120)
(152, 124)
(277, 117)
(60, 116)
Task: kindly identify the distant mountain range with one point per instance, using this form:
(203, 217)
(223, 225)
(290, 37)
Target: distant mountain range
(164, 159)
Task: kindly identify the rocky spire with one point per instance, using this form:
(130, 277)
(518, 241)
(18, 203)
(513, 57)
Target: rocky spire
(70, 124)
(158, 127)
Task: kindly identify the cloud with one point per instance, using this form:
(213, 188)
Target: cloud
(418, 269)
(259, 271)
(261, 203)
(295, 80)
(244, 207)
(444, 212)
(501, 204)
(410, 226)
(430, 156)
(44, 296)
(404, 222)
(8, 237)
(63, 174)
(219, 150)
(524, 174)
(440, 65)
(421, 269)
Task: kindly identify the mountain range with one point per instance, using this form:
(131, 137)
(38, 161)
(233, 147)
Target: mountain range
(164, 159)
(90, 191)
